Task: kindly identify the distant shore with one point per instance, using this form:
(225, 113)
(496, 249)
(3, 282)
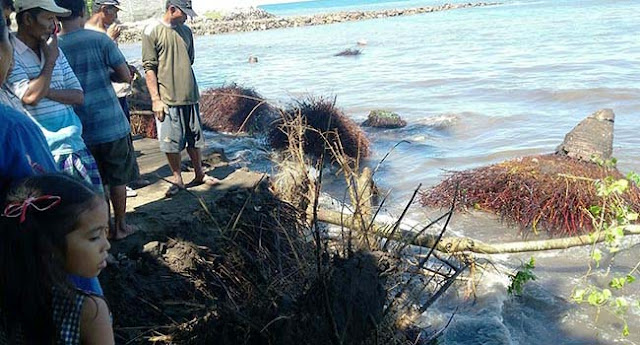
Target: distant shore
(260, 20)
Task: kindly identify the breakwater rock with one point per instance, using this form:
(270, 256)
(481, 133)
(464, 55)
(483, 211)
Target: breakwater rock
(591, 139)
(243, 22)
(384, 119)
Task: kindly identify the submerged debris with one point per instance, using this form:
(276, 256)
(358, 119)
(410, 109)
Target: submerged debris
(349, 52)
(326, 126)
(235, 108)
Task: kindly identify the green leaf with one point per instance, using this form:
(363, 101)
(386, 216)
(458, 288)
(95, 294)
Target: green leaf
(625, 330)
(532, 263)
(617, 283)
(630, 279)
(620, 186)
(621, 303)
(597, 256)
(595, 210)
(632, 176)
(578, 295)
(593, 298)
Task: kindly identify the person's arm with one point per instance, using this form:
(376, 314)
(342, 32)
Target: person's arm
(95, 323)
(121, 74)
(71, 97)
(38, 88)
(150, 65)
(192, 50)
(156, 103)
(115, 60)
(72, 93)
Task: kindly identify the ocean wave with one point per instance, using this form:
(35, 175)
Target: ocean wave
(589, 95)
(443, 121)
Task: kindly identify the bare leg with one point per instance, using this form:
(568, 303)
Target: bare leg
(196, 161)
(175, 165)
(119, 202)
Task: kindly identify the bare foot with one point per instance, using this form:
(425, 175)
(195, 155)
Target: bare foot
(124, 232)
(206, 179)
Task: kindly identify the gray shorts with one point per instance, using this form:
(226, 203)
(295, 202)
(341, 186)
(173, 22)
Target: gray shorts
(180, 129)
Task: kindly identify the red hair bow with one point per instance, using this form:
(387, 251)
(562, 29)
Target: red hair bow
(19, 209)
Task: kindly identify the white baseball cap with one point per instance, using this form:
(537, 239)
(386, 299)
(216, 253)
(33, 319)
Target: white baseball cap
(47, 5)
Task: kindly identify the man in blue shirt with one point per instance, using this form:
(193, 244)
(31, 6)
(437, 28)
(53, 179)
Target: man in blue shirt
(96, 62)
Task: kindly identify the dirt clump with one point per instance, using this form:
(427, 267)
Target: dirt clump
(240, 268)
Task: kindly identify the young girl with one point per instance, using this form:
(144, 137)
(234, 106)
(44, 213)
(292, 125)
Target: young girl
(52, 226)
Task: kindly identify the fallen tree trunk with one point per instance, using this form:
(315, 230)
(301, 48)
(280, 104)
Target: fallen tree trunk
(464, 244)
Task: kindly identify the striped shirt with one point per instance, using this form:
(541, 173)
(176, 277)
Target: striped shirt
(59, 123)
(93, 56)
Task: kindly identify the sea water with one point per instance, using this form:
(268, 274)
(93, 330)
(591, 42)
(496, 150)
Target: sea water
(476, 86)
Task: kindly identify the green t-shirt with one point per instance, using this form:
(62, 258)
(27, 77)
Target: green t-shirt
(169, 52)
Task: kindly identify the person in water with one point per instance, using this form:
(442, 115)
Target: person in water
(52, 226)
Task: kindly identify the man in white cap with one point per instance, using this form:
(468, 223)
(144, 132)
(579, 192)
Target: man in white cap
(43, 81)
(167, 56)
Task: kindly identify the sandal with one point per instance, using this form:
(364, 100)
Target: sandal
(172, 191)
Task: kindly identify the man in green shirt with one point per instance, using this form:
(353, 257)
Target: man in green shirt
(167, 56)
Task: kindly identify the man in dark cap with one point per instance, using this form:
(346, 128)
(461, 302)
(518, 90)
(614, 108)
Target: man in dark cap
(103, 18)
(167, 56)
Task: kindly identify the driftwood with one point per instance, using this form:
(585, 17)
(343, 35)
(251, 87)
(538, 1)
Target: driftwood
(464, 244)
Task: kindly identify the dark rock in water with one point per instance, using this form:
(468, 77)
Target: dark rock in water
(349, 52)
(591, 138)
(384, 119)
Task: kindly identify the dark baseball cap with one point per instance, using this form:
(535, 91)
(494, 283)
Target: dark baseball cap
(184, 6)
(114, 3)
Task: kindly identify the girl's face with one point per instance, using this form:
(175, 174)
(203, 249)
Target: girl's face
(87, 244)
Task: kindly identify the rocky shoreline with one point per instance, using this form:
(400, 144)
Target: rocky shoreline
(261, 20)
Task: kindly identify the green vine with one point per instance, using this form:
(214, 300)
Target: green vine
(610, 218)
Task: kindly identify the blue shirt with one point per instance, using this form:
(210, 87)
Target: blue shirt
(25, 153)
(59, 123)
(24, 149)
(93, 56)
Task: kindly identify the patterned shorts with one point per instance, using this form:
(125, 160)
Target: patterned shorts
(82, 165)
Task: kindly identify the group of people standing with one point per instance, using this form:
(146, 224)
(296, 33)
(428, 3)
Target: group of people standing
(67, 154)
